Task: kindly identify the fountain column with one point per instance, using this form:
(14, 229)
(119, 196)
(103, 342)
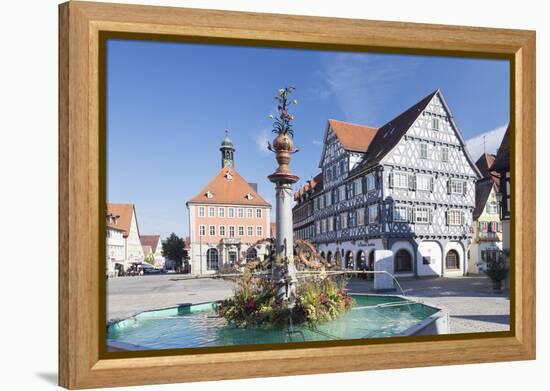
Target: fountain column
(283, 269)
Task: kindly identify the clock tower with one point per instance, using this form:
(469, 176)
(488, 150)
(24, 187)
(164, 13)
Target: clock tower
(227, 151)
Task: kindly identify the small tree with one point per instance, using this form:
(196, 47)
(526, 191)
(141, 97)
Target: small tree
(173, 249)
(497, 271)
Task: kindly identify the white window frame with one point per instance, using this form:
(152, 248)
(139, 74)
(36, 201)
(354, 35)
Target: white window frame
(212, 230)
(435, 123)
(258, 213)
(231, 212)
(373, 214)
(249, 213)
(211, 211)
(221, 212)
(455, 217)
(249, 231)
(444, 154)
(422, 215)
(401, 213)
(231, 231)
(420, 178)
(371, 182)
(358, 186)
(259, 231)
(202, 230)
(222, 230)
(240, 213)
(360, 217)
(202, 211)
(453, 186)
(240, 231)
(423, 151)
(402, 182)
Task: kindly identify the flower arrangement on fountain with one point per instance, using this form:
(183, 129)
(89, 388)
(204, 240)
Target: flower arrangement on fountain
(284, 295)
(317, 299)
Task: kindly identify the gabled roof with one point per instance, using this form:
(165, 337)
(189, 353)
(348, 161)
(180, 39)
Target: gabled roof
(483, 190)
(229, 187)
(353, 137)
(502, 160)
(314, 185)
(484, 164)
(389, 135)
(150, 240)
(125, 213)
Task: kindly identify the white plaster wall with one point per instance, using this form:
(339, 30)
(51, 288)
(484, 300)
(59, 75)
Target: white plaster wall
(459, 272)
(475, 255)
(433, 250)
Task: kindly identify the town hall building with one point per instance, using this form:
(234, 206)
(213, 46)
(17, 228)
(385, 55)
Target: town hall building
(408, 187)
(226, 219)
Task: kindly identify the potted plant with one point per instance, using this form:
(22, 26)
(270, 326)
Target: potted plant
(497, 270)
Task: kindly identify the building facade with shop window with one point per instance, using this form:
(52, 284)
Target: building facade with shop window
(487, 227)
(408, 187)
(226, 219)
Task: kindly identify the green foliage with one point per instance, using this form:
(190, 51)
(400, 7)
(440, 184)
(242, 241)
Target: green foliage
(253, 303)
(173, 248)
(283, 123)
(150, 258)
(497, 269)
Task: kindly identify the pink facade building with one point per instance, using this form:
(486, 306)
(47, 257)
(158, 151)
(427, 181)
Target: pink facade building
(227, 219)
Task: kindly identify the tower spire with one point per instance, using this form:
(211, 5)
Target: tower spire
(227, 151)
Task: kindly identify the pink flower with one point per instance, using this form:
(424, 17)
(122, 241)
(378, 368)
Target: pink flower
(250, 305)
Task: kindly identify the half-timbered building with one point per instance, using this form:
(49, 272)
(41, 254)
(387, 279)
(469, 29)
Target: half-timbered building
(408, 187)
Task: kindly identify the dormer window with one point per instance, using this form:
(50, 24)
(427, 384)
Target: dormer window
(209, 194)
(228, 175)
(249, 196)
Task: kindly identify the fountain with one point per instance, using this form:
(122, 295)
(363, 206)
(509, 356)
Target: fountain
(294, 291)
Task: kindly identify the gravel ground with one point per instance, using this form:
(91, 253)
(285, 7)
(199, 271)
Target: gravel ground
(472, 304)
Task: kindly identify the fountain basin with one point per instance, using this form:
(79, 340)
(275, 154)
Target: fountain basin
(197, 325)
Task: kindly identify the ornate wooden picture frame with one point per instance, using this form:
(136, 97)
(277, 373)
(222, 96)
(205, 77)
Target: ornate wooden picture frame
(83, 29)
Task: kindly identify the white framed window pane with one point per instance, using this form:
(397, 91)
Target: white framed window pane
(444, 154)
(240, 213)
(401, 180)
(371, 182)
(211, 212)
(231, 232)
(222, 230)
(241, 230)
(202, 230)
(201, 211)
(259, 213)
(423, 151)
(250, 231)
(212, 230)
(400, 213)
(259, 231)
(231, 212)
(423, 182)
(422, 215)
(249, 213)
(221, 212)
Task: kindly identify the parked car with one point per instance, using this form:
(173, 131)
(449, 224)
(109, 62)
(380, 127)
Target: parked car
(147, 268)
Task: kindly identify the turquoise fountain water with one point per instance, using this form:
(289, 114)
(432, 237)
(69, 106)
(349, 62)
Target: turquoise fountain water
(198, 326)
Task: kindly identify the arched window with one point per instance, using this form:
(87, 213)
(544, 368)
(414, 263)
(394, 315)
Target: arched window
(251, 254)
(349, 260)
(323, 255)
(329, 257)
(371, 260)
(360, 260)
(403, 261)
(338, 258)
(452, 260)
(212, 259)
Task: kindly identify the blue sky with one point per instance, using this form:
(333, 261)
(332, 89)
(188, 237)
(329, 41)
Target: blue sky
(169, 104)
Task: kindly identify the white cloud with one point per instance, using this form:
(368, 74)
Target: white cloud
(317, 142)
(362, 83)
(491, 138)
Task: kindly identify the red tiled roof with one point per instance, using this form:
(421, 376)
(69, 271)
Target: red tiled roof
(353, 137)
(315, 184)
(502, 160)
(228, 191)
(150, 240)
(124, 221)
